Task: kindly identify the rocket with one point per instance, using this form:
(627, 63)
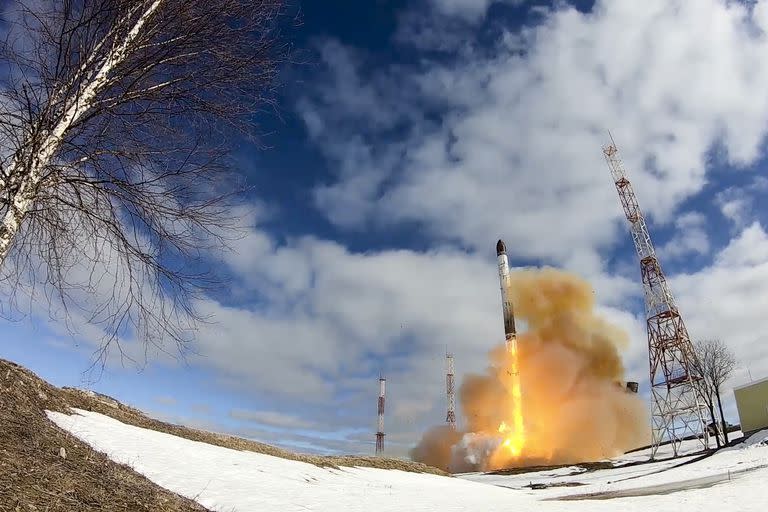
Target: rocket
(506, 301)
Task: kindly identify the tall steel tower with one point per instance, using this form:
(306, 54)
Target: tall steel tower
(380, 431)
(678, 405)
(450, 418)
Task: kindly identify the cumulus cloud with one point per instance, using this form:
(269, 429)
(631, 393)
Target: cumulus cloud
(446, 26)
(471, 10)
(728, 300)
(690, 238)
(271, 419)
(348, 315)
(737, 204)
(508, 142)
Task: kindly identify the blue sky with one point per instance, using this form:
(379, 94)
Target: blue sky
(418, 134)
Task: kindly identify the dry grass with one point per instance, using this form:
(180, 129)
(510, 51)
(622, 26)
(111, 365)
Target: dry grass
(34, 477)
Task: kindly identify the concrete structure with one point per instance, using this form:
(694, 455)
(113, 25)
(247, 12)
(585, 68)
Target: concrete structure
(752, 403)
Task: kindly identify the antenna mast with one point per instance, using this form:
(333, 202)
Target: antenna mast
(380, 431)
(678, 405)
(450, 418)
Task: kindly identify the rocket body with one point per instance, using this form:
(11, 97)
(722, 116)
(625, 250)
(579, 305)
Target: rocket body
(510, 333)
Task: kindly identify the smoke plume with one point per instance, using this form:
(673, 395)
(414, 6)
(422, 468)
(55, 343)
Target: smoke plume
(574, 405)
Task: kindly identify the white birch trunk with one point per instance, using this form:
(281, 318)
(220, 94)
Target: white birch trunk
(80, 102)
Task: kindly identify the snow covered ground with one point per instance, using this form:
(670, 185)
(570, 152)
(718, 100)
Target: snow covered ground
(576, 480)
(229, 480)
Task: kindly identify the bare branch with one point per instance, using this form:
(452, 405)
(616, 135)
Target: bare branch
(116, 119)
(716, 363)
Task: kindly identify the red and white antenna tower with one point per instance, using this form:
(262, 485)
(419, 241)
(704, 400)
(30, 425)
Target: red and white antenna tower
(380, 431)
(678, 405)
(450, 418)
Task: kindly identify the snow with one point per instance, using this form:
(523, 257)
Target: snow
(229, 480)
(757, 438)
(727, 463)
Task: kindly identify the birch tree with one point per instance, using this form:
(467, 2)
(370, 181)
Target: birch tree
(116, 120)
(716, 363)
(699, 364)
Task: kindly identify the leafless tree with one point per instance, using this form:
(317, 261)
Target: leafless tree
(708, 393)
(116, 119)
(716, 362)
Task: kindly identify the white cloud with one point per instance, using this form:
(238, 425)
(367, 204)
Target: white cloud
(344, 310)
(735, 205)
(508, 143)
(271, 419)
(450, 25)
(749, 248)
(728, 300)
(690, 238)
(470, 10)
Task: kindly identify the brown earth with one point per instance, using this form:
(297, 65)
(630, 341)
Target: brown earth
(33, 475)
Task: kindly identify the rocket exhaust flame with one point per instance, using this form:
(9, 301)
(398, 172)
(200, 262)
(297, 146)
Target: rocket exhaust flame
(514, 438)
(549, 394)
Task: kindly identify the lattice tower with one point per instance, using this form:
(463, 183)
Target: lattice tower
(678, 408)
(450, 417)
(380, 430)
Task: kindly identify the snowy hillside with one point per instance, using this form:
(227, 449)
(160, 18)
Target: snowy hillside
(225, 480)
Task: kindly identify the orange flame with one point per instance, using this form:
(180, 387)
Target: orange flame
(514, 439)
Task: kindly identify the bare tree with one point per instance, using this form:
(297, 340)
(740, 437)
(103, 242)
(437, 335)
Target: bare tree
(116, 118)
(708, 394)
(716, 362)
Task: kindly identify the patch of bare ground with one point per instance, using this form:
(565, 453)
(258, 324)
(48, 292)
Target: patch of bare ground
(43, 468)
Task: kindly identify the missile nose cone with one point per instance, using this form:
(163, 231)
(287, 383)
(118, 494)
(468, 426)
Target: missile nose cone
(500, 247)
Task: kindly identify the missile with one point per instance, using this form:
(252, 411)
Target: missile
(506, 301)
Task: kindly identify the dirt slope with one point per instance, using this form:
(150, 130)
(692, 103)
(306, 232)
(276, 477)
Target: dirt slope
(33, 474)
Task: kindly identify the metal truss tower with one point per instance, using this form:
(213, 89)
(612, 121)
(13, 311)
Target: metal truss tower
(678, 408)
(450, 418)
(380, 431)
